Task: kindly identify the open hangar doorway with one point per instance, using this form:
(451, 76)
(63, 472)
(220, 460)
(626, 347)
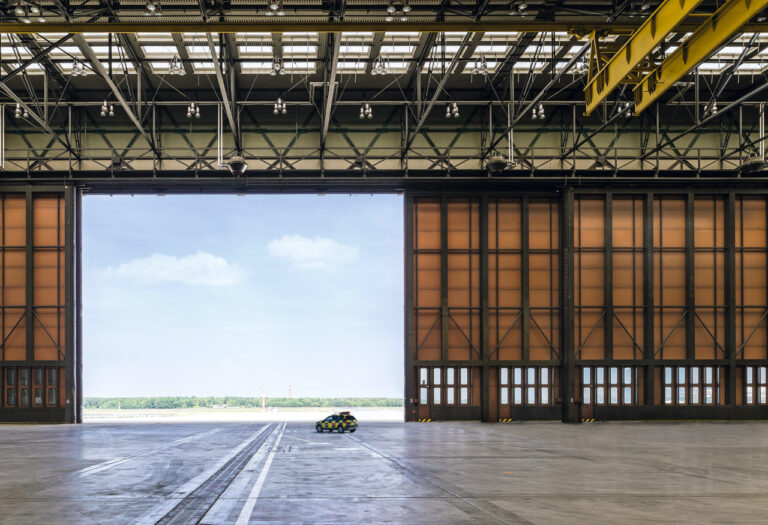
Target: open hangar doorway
(286, 295)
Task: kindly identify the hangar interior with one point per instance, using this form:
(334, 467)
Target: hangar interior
(585, 200)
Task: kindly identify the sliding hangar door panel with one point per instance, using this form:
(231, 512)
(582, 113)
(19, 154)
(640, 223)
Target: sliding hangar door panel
(665, 294)
(37, 354)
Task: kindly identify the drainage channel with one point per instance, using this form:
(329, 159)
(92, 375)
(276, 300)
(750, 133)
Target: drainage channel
(193, 507)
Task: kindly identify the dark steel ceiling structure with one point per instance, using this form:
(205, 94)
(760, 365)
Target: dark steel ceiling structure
(173, 88)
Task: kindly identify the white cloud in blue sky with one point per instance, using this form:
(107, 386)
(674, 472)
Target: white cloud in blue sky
(316, 252)
(221, 295)
(198, 268)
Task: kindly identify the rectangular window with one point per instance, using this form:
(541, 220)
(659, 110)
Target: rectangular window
(614, 375)
(38, 376)
(464, 396)
(503, 376)
(518, 376)
(10, 397)
(587, 395)
(436, 373)
(52, 377)
(586, 373)
(449, 376)
(51, 397)
(614, 395)
(531, 395)
(504, 395)
(600, 395)
(423, 376)
(436, 395)
(450, 398)
(464, 376)
(10, 377)
(24, 397)
(24, 377)
(38, 400)
(423, 396)
(518, 395)
(691, 385)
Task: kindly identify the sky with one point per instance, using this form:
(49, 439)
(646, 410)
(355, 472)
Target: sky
(223, 295)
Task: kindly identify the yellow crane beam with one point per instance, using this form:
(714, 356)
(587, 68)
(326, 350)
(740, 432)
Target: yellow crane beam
(714, 32)
(650, 34)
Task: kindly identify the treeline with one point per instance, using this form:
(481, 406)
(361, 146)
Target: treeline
(130, 403)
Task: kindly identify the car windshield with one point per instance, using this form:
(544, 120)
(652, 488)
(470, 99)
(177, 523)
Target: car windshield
(329, 418)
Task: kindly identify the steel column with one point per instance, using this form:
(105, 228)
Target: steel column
(567, 347)
(648, 299)
(486, 394)
(730, 297)
(690, 285)
(608, 274)
(410, 329)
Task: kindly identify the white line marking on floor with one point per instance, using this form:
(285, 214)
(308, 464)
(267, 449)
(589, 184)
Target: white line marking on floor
(308, 441)
(156, 513)
(250, 503)
(105, 465)
(234, 494)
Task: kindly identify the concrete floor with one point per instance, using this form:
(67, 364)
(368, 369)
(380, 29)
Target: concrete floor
(386, 472)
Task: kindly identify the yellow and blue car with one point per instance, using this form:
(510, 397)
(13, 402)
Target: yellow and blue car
(338, 422)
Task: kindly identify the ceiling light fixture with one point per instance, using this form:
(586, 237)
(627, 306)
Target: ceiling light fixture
(277, 67)
(152, 8)
(176, 67)
(78, 69)
(17, 113)
(366, 111)
(280, 107)
(379, 67)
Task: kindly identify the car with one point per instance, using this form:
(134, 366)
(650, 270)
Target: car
(338, 422)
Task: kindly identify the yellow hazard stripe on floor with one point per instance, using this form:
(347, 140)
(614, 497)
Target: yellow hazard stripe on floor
(583, 420)
(506, 420)
(423, 420)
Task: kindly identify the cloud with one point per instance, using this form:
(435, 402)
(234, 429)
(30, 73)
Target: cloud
(318, 252)
(200, 268)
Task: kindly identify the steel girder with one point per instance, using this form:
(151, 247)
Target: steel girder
(728, 19)
(635, 50)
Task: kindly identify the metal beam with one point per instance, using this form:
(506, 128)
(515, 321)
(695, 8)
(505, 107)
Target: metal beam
(636, 49)
(541, 93)
(378, 39)
(726, 21)
(438, 91)
(330, 92)
(181, 49)
(86, 50)
(34, 116)
(729, 71)
(224, 95)
(469, 51)
(584, 26)
(36, 58)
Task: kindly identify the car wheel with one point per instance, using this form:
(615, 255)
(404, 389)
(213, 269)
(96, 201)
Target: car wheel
(318, 428)
(340, 430)
(352, 430)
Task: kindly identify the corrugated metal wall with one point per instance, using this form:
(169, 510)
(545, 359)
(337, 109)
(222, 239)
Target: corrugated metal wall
(37, 354)
(607, 305)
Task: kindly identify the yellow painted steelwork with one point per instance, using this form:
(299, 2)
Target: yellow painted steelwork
(730, 18)
(635, 50)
